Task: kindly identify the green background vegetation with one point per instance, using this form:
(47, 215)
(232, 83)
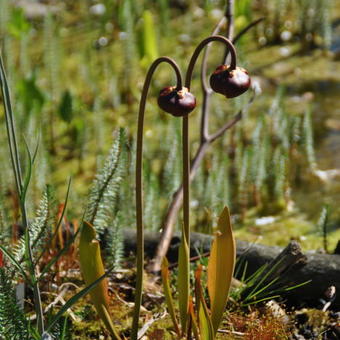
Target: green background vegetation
(76, 70)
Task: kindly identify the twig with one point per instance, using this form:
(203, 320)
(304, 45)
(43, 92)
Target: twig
(246, 29)
(149, 323)
(231, 123)
(224, 331)
(176, 202)
(59, 299)
(192, 259)
(229, 14)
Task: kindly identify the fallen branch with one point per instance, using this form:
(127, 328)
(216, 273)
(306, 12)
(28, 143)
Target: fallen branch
(322, 269)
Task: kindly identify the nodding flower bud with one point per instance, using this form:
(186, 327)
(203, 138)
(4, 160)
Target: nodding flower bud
(179, 103)
(230, 83)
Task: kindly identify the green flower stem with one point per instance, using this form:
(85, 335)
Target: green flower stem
(186, 151)
(186, 176)
(186, 162)
(139, 186)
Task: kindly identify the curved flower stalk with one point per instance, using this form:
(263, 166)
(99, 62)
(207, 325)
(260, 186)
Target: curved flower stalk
(139, 185)
(222, 258)
(188, 77)
(178, 101)
(183, 261)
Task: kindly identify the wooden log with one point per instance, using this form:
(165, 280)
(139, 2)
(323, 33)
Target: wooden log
(291, 264)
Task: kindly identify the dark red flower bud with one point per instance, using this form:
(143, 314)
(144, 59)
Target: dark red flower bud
(230, 83)
(177, 102)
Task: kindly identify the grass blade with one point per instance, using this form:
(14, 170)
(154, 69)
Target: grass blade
(60, 253)
(183, 282)
(205, 322)
(11, 135)
(74, 299)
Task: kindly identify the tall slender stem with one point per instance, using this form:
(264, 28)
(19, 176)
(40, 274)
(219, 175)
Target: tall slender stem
(186, 176)
(186, 150)
(229, 14)
(183, 271)
(230, 19)
(139, 186)
(15, 159)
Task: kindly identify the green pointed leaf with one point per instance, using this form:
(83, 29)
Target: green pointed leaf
(205, 322)
(167, 294)
(183, 282)
(28, 175)
(221, 267)
(92, 268)
(74, 299)
(15, 262)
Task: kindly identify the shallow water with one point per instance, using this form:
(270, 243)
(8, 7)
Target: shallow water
(326, 189)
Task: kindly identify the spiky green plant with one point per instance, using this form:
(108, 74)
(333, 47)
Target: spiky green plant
(308, 138)
(322, 226)
(39, 228)
(102, 207)
(13, 323)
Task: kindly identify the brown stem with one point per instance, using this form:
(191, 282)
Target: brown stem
(232, 122)
(229, 14)
(186, 151)
(139, 186)
(207, 91)
(230, 19)
(177, 199)
(205, 87)
(246, 29)
(240, 35)
(183, 275)
(192, 259)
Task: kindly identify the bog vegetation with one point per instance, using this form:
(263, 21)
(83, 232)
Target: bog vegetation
(233, 134)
